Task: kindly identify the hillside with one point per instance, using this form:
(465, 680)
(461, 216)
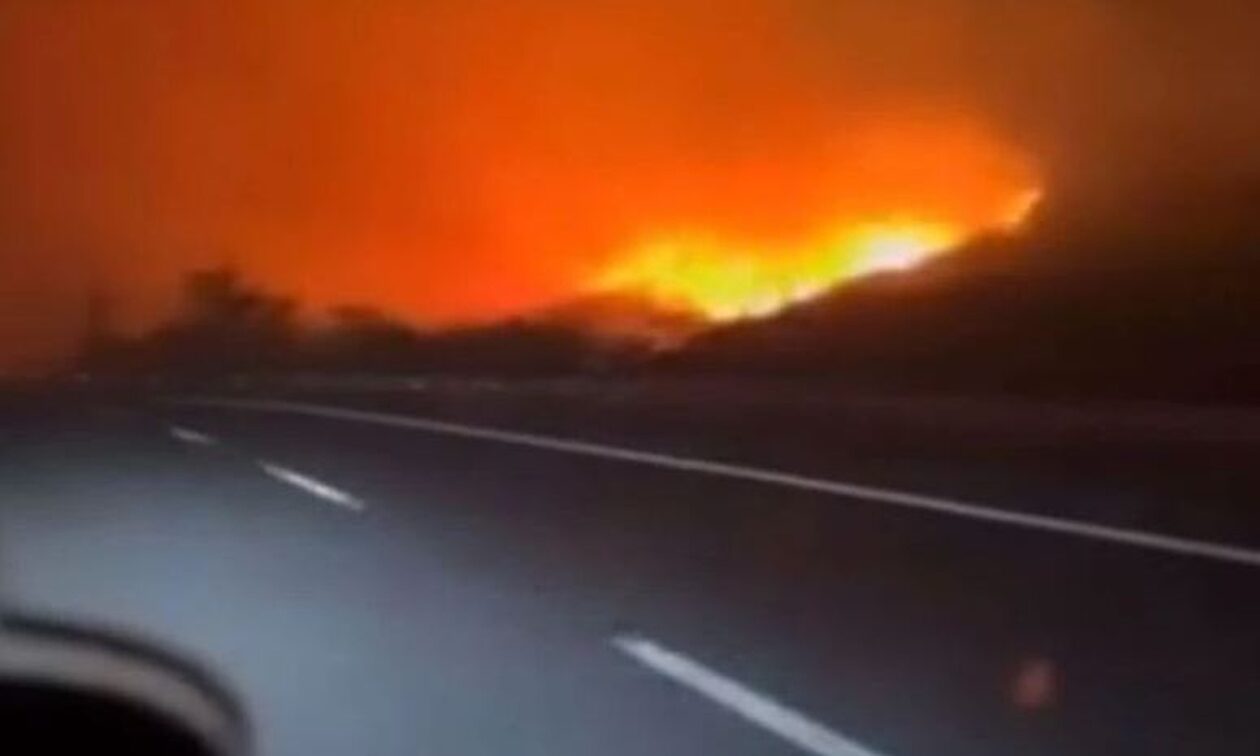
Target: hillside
(1037, 315)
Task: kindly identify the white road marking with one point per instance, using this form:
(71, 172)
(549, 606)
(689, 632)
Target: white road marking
(761, 710)
(1077, 528)
(191, 436)
(312, 486)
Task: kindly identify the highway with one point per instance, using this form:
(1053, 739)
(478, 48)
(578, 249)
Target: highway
(495, 573)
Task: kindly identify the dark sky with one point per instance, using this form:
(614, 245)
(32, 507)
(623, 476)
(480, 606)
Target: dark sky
(462, 159)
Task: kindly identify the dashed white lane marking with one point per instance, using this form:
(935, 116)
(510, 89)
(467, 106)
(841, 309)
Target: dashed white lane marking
(189, 436)
(761, 710)
(312, 486)
(1062, 526)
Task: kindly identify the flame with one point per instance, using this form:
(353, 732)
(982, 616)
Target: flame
(892, 193)
(726, 281)
(1019, 209)
(896, 246)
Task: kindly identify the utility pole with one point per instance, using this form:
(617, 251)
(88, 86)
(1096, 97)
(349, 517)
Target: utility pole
(97, 334)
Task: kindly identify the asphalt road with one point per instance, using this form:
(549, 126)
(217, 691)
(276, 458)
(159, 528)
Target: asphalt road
(378, 587)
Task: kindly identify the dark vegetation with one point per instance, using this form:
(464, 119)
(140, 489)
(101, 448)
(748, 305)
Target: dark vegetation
(227, 327)
(1185, 331)
(1160, 302)
(1058, 311)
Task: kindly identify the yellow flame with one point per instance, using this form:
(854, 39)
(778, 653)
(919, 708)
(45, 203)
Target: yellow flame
(725, 282)
(728, 281)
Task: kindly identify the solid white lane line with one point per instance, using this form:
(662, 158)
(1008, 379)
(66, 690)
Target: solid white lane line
(1046, 523)
(191, 436)
(761, 710)
(312, 486)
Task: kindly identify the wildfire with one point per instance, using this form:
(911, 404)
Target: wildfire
(897, 192)
(728, 281)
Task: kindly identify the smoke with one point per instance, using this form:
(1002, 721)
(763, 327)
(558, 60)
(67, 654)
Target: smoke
(455, 159)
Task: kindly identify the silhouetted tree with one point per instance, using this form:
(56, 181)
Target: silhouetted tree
(99, 346)
(363, 339)
(224, 325)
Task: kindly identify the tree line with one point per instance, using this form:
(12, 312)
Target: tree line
(224, 325)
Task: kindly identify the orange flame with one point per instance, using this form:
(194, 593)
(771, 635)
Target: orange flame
(902, 191)
(724, 282)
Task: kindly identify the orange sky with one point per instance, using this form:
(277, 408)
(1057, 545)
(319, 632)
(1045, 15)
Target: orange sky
(464, 159)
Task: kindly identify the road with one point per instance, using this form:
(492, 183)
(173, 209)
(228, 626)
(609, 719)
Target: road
(371, 584)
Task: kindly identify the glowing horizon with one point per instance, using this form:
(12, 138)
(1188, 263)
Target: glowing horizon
(450, 162)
